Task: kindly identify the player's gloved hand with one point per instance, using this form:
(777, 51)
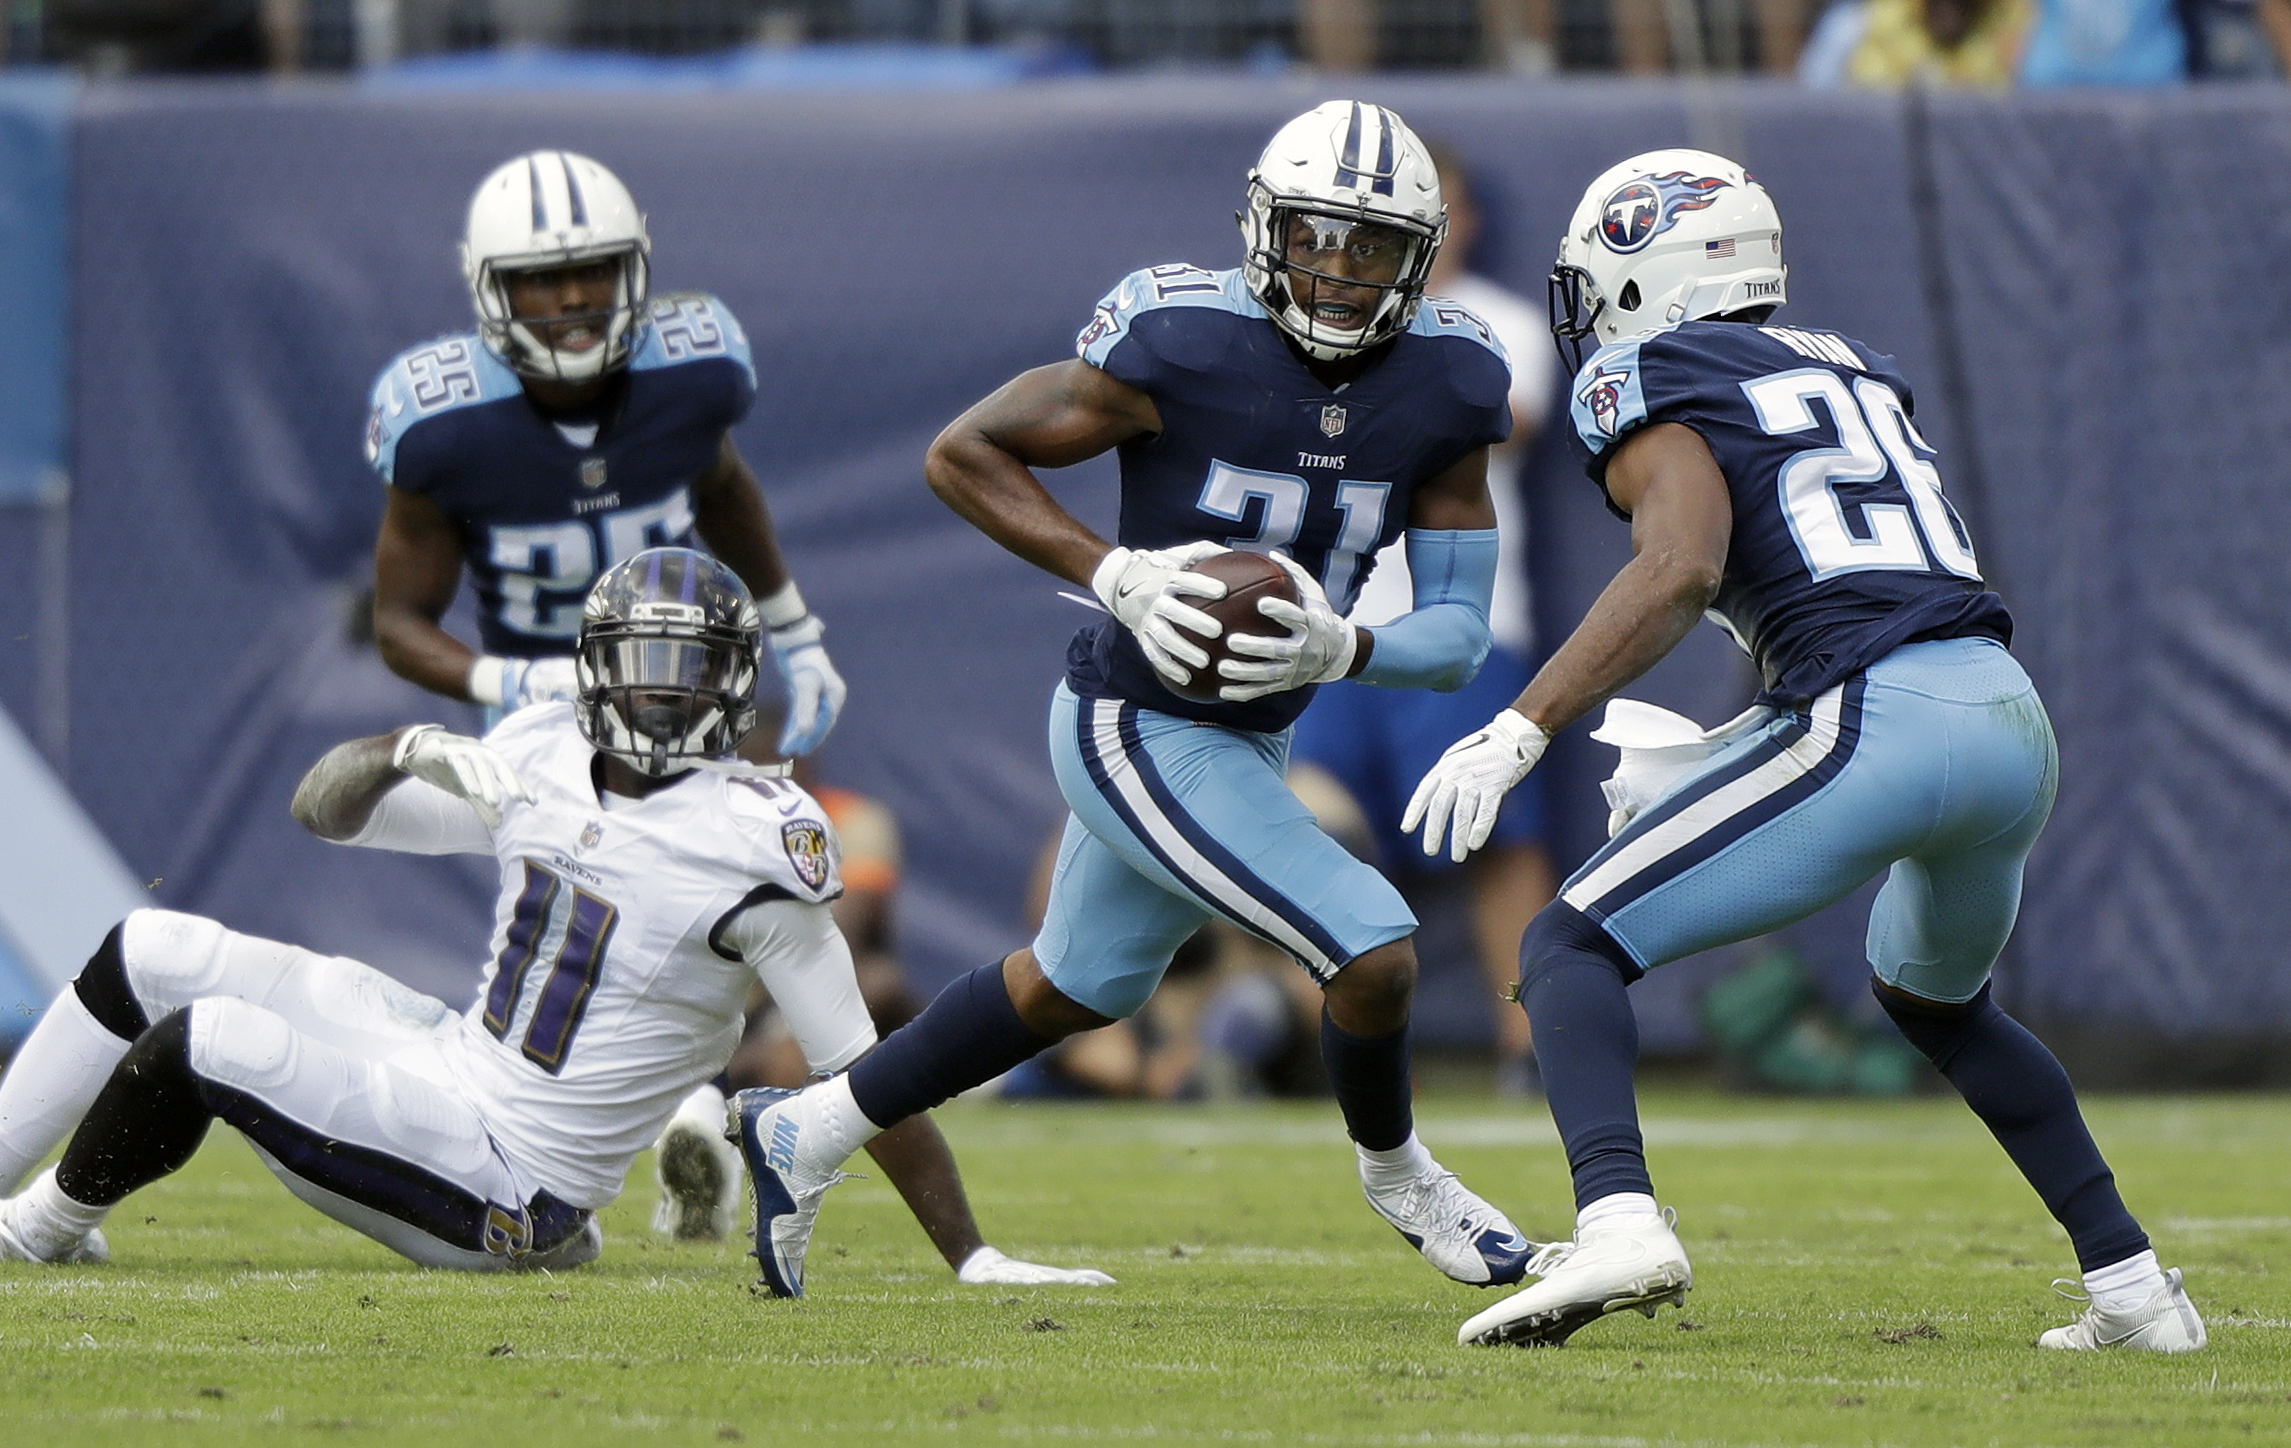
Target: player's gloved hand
(1318, 649)
(1145, 590)
(1461, 792)
(460, 766)
(989, 1268)
(815, 690)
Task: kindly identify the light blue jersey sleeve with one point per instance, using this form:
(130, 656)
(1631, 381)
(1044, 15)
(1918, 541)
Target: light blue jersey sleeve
(1177, 285)
(1607, 399)
(425, 381)
(1441, 643)
(688, 327)
(1439, 317)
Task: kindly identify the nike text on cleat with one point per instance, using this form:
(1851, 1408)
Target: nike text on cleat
(2166, 1322)
(764, 1123)
(699, 1172)
(1606, 1269)
(1455, 1230)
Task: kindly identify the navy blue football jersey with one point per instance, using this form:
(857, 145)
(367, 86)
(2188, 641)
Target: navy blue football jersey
(1844, 548)
(546, 507)
(1257, 453)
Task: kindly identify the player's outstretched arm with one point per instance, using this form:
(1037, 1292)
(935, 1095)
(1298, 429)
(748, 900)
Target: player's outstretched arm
(336, 800)
(1052, 417)
(417, 568)
(1681, 522)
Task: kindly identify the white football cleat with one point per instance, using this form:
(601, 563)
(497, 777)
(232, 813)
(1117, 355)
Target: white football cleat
(768, 1126)
(90, 1250)
(1607, 1268)
(2166, 1322)
(1455, 1229)
(698, 1170)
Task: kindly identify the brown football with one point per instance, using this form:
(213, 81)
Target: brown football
(1247, 577)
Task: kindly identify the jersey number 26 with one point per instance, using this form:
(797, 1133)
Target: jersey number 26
(1876, 441)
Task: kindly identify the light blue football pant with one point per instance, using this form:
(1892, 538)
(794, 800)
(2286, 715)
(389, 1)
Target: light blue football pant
(1174, 822)
(1937, 761)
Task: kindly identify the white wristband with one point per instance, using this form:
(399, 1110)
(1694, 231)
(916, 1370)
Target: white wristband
(484, 683)
(783, 608)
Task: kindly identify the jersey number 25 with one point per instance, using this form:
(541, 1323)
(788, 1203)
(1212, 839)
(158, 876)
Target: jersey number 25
(1876, 441)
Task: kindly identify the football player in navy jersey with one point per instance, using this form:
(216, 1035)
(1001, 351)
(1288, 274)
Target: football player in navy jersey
(583, 422)
(1309, 405)
(1772, 474)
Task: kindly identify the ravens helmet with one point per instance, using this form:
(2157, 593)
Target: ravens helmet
(667, 659)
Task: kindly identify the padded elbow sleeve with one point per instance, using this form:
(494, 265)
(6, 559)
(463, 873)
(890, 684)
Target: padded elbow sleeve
(1441, 643)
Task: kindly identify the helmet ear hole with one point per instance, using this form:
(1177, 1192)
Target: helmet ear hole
(1629, 300)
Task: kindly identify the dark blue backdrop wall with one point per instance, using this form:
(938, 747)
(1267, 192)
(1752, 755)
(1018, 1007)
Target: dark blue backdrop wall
(2089, 292)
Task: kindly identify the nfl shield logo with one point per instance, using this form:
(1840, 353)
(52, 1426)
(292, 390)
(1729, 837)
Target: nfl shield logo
(1332, 419)
(807, 851)
(592, 473)
(593, 833)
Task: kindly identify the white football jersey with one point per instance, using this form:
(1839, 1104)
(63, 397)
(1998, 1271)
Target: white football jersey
(612, 990)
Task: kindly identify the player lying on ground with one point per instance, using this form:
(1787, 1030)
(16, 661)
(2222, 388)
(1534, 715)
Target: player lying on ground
(647, 883)
(1242, 402)
(1772, 474)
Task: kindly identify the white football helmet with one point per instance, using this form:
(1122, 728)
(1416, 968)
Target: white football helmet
(1665, 237)
(548, 209)
(1361, 180)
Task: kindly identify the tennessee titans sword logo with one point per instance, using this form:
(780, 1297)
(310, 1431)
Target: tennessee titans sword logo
(1644, 209)
(1602, 396)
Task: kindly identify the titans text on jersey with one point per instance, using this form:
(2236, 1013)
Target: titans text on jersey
(1843, 547)
(1257, 453)
(546, 507)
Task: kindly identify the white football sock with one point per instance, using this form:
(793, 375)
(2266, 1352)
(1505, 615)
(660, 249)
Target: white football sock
(2122, 1286)
(51, 1083)
(1616, 1210)
(839, 1127)
(1383, 1171)
(51, 1223)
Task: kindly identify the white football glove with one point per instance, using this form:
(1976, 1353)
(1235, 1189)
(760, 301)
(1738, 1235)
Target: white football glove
(1466, 785)
(989, 1268)
(1318, 649)
(815, 690)
(460, 766)
(1142, 588)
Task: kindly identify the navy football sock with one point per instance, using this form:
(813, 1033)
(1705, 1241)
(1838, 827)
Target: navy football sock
(1370, 1077)
(1572, 979)
(2018, 1089)
(146, 1122)
(967, 1037)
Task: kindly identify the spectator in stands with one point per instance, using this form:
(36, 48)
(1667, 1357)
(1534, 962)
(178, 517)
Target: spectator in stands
(1379, 742)
(1887, 44)
(2105, 42)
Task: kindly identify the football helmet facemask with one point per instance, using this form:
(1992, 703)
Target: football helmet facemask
(543, 211)
(1665, 237)
(667, 659)
(1343, 220)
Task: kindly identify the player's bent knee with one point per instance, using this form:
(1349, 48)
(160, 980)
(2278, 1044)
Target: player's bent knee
(240, 1045)
(1934, 1027)
(1375, 986)
(170, 959)
(1559, 934)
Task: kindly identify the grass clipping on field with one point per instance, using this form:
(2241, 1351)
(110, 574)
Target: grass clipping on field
(1864, 1273)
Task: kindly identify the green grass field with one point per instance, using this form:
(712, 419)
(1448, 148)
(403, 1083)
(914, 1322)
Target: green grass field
(1865, 1274)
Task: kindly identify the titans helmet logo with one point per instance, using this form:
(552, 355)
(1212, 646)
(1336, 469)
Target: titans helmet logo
(1602, 396)
(1644, 209)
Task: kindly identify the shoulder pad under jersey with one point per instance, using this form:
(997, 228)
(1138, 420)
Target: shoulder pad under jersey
(685, 327)
(1152, 289)
(424, 381)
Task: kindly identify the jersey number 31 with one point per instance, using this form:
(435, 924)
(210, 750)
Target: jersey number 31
(1876, 442)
